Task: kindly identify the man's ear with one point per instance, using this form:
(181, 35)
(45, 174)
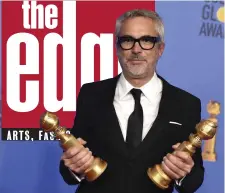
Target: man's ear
(161, 48)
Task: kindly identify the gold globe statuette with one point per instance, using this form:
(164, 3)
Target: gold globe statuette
(50, 123)
(206, 129)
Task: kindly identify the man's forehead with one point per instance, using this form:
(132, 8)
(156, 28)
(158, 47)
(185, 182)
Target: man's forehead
(138, 26)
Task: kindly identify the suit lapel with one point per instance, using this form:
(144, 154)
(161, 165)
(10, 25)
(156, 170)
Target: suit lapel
(111, 118)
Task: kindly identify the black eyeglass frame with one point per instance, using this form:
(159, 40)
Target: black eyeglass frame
(153, 39)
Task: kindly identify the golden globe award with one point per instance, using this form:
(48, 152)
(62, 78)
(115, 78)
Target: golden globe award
(206, 129)
(50, 123)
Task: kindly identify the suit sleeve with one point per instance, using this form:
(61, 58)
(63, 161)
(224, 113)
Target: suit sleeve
(79, 130)
(195, 178)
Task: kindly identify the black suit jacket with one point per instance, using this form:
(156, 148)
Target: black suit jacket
(96, 122)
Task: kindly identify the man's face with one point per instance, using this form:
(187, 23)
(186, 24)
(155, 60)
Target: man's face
(137, 62)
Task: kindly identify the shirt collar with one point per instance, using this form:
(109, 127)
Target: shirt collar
(151, 89)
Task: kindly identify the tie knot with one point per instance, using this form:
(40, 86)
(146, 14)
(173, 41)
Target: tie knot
(136, 94)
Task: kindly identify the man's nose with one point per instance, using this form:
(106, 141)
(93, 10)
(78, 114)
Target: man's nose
(137, 48)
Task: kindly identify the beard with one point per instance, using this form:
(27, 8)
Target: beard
(136, 70)
(136, 66)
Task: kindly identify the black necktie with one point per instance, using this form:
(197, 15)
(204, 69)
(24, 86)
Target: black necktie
(135, 122)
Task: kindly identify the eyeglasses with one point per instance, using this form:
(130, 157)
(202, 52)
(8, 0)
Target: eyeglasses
(145, 42)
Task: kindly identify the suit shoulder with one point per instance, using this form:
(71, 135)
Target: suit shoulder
(98, 86)
(179, 94)
(187, 104)
(185, 96)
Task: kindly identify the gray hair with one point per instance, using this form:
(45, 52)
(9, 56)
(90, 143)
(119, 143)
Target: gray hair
(142, 13)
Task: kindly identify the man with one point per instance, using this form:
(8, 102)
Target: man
(135, 120)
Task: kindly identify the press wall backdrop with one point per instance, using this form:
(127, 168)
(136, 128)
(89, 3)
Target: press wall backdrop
(34, 78)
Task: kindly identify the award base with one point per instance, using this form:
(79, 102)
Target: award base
(209, 156)
(97, 168)
(158, 177)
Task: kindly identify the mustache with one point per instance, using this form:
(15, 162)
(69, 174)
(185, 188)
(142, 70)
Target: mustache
(136, 58)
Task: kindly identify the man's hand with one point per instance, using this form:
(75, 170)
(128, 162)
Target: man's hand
(177, 165)
(78, 159)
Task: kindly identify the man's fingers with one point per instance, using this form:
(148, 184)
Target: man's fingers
(85, 166)
(82, 142)
(85, 159)
(169, 172)
(176, 146)
(185, 157)
(80, 155)
(79, 161)
(71, 152)
(175, 165)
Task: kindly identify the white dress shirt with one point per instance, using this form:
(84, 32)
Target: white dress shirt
(150, 99)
